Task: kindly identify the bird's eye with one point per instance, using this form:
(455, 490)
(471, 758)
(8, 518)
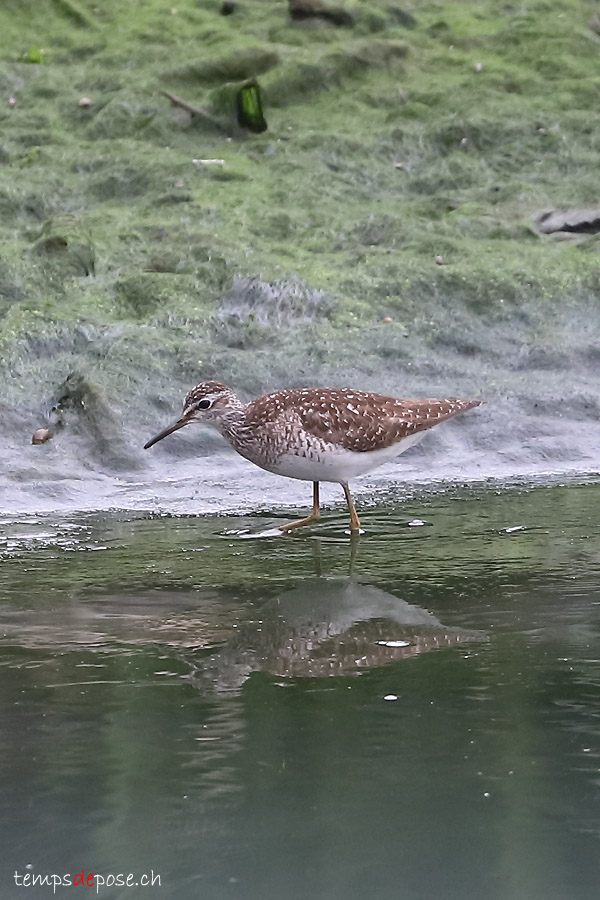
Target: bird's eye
(204, 404)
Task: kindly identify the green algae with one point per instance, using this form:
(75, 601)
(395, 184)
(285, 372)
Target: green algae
(437, 131)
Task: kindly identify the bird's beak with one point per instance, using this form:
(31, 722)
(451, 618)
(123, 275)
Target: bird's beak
(166, 431)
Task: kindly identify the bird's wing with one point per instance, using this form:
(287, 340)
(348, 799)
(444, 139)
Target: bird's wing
(361, 422)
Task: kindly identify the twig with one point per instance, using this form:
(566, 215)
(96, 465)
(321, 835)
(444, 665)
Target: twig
(193, 111)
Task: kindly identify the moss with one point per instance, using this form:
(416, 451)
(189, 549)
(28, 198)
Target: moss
(148, 293)
(239, 66)
(304, 79)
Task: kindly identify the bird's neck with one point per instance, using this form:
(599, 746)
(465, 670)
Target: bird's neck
(231, 422)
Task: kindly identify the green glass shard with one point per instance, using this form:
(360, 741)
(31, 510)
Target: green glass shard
(33, 55)
(249, 108)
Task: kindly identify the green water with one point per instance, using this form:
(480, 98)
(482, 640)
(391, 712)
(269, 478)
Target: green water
(178, 699)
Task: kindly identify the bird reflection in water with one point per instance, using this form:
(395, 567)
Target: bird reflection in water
(327, 627)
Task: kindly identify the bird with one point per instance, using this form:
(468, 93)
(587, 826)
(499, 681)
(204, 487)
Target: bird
(314, 434)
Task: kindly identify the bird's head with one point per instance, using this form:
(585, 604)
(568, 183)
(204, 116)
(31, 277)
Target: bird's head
(209, 403)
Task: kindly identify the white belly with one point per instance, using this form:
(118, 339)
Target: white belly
(333, 463)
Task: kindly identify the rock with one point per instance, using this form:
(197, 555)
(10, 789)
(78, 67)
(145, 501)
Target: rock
(301, 10)
(41, 436)
(594, 24)
(574, 221)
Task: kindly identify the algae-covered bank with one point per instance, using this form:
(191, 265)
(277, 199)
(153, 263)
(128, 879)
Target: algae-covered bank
(382, 232)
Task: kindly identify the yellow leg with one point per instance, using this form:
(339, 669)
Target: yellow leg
(314, 516)
(354, 520)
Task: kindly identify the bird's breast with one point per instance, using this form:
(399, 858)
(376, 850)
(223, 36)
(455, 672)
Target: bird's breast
(310, 458)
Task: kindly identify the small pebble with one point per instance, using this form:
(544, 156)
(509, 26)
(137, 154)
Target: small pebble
(180, 184)
(439, 260)
(464, 141)
(12, 101)
(387, 320)
(390, 697)
(393, 644)
(398, 165)
(85, 101)
(478, 67)
(41, 436)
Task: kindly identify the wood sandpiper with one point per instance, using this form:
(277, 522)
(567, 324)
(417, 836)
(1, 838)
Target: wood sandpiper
(315, 434)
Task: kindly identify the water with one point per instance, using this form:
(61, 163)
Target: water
(181, 700)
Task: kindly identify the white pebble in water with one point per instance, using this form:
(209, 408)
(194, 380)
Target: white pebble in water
(393, 643)
(390, 697)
